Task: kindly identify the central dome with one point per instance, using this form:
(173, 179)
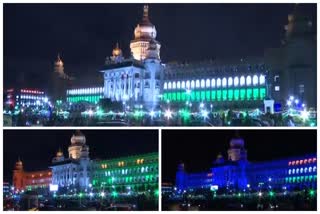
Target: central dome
(78, 138)
(145, 29)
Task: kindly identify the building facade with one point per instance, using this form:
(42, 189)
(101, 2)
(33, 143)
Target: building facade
(240, 83)
(24, 97)
(77, 172)
(236, 172)
(32, 180)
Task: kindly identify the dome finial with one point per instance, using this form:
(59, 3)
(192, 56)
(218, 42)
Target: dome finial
(145, 13)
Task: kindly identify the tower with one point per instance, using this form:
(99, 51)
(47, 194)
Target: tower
(144, 33)
(59, 81)
(78, 148)
(18, 182)
(237, 153)
(299, 62)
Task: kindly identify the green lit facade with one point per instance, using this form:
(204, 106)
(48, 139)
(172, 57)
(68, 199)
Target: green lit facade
(128, 174)
(237, 88)
(91, 95)
(220, 95)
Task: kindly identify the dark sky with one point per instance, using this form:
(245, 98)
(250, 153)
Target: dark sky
(36, 148)
(197, 149)
(85, 34)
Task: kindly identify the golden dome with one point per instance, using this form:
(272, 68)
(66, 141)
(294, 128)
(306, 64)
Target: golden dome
(59, 153)
(116, 51)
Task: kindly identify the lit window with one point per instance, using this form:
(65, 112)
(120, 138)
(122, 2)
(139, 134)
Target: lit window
(138, 161)
(297, 171)
(310, 169)
(178, 85)
(297, 162)
(192, 83)
(224, 82)
(202, 83)
(236, 81)
(314, 169)
(142, 161)
(188, 84)
(183, 84)
(301, 170)
(293, 171)
(142, 169)
(289, 163)
(197, 84)
(248, 80)
(262, 79)
(305, 161)
(165, 86)
(218, 82)
(213, 83)
(174, 85)
(230, 81)
(169, 85)
(314, 159)
(306, 170)
(208, 83)
(309, 160)
(242, 81)
(289, 172)
(301, 162)
(255, 80)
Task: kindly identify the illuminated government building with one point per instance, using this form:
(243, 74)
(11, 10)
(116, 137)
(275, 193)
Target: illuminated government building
(77, 172)
(235, 172)
(143, 78)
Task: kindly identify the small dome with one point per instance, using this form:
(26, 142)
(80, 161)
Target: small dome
(59, 153)
(116, 51)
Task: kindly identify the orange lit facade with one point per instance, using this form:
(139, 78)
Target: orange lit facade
(36, 180)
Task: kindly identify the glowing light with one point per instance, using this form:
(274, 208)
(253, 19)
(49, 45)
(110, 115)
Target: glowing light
(289, 102)
(291, 98)
(201, 105)
(255, 80)
(262, 79)
(305, 114)
(102, 194)
(168, 114)
(260, 194)
(242, 80)
(91, 194)
(90, 112)
(224, 82)
(296, 101)
(151, 113)
(236, 81)
(204, 114)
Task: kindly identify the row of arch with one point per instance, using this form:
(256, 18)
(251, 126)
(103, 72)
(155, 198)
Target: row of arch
(302, 170)
(213, 83)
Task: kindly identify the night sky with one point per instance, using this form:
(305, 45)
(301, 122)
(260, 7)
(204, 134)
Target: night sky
(36, 148)
(198, 149)
(85, 34)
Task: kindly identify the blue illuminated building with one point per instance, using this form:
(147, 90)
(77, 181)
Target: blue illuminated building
(237, 173)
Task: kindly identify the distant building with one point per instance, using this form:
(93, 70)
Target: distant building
(236, 172)
(24, 97)
(59, 81)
